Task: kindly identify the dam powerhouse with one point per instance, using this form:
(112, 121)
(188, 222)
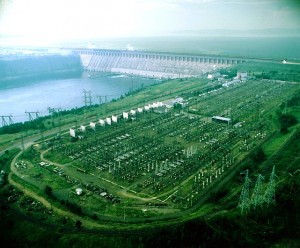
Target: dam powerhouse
(151, 64)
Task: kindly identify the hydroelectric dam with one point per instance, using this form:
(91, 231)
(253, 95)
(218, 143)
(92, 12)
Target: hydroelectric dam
(151, 64)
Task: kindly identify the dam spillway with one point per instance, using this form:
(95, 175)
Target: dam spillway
(151, 64)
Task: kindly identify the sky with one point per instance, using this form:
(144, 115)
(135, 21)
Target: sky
(46, 21)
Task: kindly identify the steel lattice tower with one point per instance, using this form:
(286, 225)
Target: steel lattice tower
(258, 196)
(244, 202)
(31, 118)
(4, 122)
(270, 192)
(87, 98)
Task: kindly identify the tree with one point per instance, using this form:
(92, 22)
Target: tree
(286, 121)
(78, 224)
(177, 106)
(258, 155)
(48, 191)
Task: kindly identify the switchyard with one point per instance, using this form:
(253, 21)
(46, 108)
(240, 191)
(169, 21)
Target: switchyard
(154, 160)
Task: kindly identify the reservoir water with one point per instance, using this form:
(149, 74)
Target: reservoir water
(64, 93)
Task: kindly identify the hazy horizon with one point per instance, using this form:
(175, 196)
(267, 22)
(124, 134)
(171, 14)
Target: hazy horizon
(43, 23)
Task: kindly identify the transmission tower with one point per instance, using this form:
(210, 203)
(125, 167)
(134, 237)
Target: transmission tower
(102, 99)
(258, 193)
(53, 111)
(244, 202)
(31, 118)
(4, 122)
(87, 98)
(270, 192)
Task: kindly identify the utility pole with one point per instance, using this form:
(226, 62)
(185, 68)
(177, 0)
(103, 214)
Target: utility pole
(31, 118)
(4, 122)
(22, 142)
(42, 135)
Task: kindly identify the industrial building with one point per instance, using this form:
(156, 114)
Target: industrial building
(221, 119)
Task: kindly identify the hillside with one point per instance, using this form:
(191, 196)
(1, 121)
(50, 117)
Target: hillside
(17, 68)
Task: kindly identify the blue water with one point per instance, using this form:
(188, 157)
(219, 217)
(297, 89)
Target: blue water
(65, 94)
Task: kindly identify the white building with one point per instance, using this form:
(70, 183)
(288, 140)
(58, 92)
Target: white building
(93, 125)
(79, 191)
(102, 122)
(221, 119)
(114, 119)
(242, 76)
(125, 115)
(72, 132)
(213, 75)
(108, 121)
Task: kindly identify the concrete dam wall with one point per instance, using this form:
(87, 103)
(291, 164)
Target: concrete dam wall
(19, 67)
(151, 64)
